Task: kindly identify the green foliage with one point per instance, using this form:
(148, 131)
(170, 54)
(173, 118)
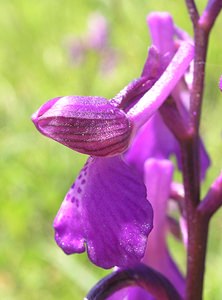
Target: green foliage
(36, 172)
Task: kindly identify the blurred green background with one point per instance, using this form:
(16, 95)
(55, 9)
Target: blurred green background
(35, 172)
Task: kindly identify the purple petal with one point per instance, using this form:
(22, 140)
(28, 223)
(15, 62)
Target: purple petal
(158, 177)
(181, 34)
(140, 275)
(106, 212)
(131, 293)
(154, 139)
(90, 125)
(155, 97)
(42, 110)
(131, 93)
(162, 32)
(152, 66)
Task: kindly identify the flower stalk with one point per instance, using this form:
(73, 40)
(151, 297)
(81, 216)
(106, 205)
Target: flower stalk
(192, 9)
(196, 221)
(213, 200)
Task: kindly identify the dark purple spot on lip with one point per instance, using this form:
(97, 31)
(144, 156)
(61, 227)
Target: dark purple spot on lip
(79, 190)
(72, 187)
(80, 176)
(83, 181)
(68, 197)
(77, 202)
(85, 168)
(73, 199)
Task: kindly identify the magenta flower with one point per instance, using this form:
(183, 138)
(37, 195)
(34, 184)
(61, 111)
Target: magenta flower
(95, 39)
(90, 125)
(149, 153)
(106, 211)
(155, 139)
(158, 177)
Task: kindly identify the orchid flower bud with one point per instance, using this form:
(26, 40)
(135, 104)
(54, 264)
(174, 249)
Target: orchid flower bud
(89, 125)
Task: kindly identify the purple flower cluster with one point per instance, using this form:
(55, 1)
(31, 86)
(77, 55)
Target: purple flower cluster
(95, 39)
(117, 208)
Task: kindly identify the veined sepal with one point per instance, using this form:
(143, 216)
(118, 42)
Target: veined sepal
(90, 125)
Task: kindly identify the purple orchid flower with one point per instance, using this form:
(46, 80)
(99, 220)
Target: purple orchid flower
(157, 170)
(158, 178)
(94, 211)
(90, 125)
(155, 139)
(106, 211)
(149, 153)
(97, 39)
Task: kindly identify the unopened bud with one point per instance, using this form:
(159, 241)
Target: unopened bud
(90, 125)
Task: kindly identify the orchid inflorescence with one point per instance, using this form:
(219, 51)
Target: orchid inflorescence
(118, 207)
